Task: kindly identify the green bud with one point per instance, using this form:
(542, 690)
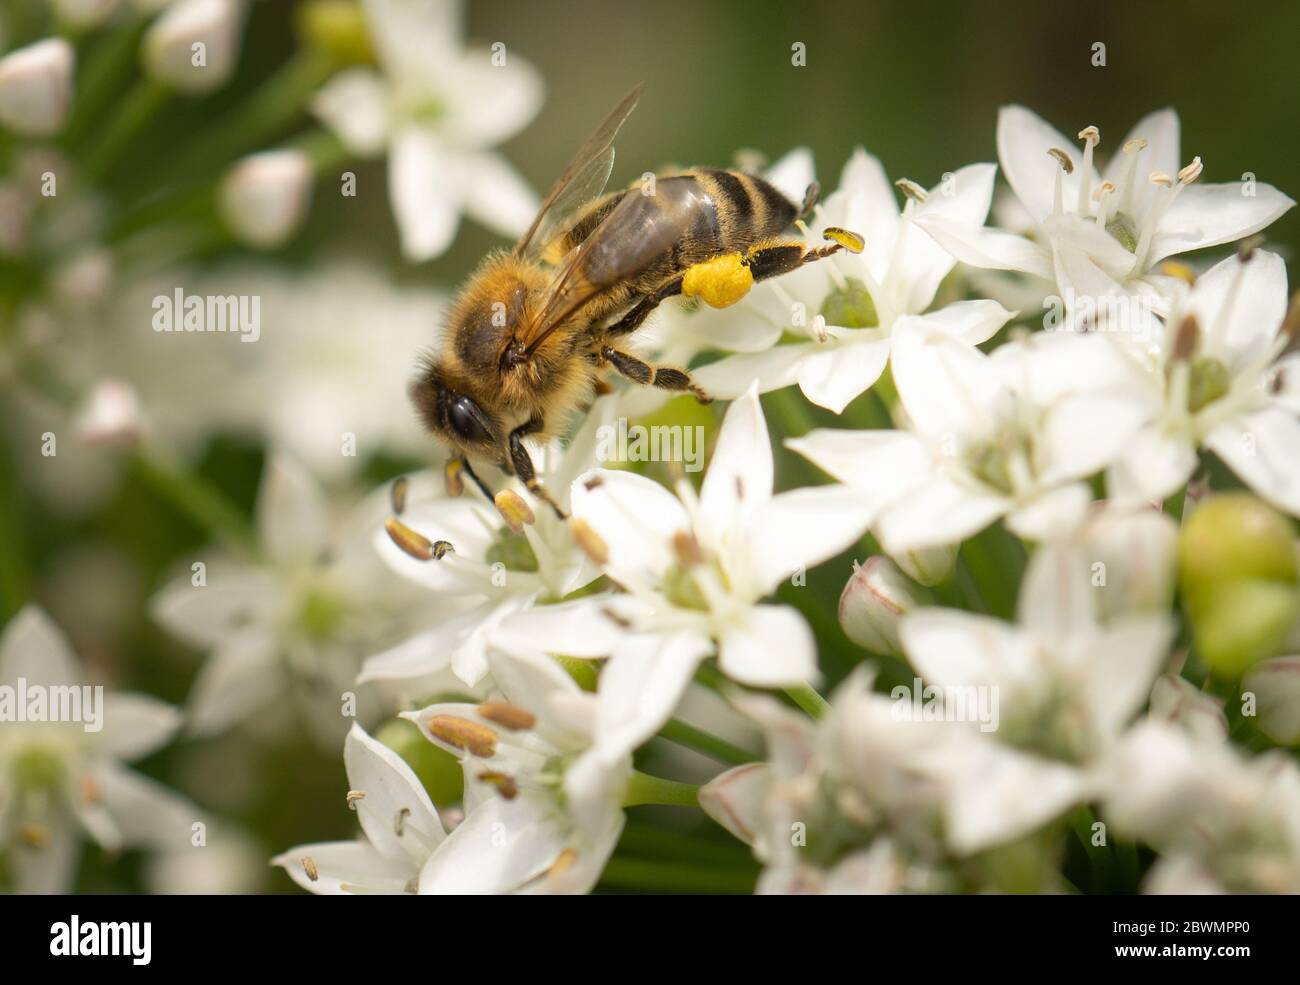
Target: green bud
(1237, 571)
(436, 768)
(337, 28)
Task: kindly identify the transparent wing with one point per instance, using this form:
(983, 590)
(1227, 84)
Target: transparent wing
(582, 181)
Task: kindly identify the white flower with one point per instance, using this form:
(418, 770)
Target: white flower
(873, 603)
(1012, 434)
(294, 624)
(696, 571)
(111, 415)
(849, 307)
(264, 196)
(1104, 234)
(1224, 375)
(402, 828)
(1066, 686)
(194, 44)
(1276, 686)
(1221, 822)
(496, 574)
(543, 799)
(62, 779)
(437, 108)
(36, 87)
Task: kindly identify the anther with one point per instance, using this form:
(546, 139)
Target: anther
(1160, 178)
(514, 510)
(911, 189)
(687, 549)
(1063, 159)
(1186, 339)
(1190, 173)
(399, 821)
(1102, 190)
(455, 477)
(1090, 135)
(397, 494)
(355, 797)
(592, 544)
(505, 785)
(508, 716)
(309, 867)
(1135, 145)
(464, 734)
(1247, 247)
(415, 544)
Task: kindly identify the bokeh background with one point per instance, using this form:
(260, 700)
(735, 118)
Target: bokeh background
(917, 83)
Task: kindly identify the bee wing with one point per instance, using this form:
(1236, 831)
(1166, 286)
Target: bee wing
(583, 180)
(639, 231)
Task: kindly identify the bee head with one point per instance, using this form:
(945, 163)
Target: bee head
(450, 412)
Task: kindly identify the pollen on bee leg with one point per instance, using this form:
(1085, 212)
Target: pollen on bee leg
(397, 494)
(514, 510)
(354, 798)
(464, 734)
(504, 783)
(415, 544)
(592, 544)
(508, 716)
(719, 282)
(846, 238)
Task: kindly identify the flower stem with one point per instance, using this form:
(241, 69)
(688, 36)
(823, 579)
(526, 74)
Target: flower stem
(105, 71)
(134, 112)
(635, 873)
(643, 789)
(14, 580)
(693, 738)
(807, 698)
(196, 498)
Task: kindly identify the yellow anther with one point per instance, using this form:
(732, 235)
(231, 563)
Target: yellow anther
(455, 475)
(719, 282)
(687, 549)
(514, 510)
(355, 797)
(851, 241)
(911, 189)
(1190, 173)
(508, 716)
(1160, 178)
(397, 494)
(309, 867)
(1135, 145)
(34, 835)
(592, 544)
(462, 733)
(563, 862)
(1176, 268)
(1090, 135)
(505, 785)
(415, 544)
(1102, 190)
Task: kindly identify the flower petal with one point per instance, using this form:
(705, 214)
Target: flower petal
(426, 200)
(836, 372)
(33, 647)
(1207, 215)
(354, 104)
(773, 648)
(343, 868)
(136, 724)
(739, 478)
(1261, 449)
(1024, 140)
(395, 813)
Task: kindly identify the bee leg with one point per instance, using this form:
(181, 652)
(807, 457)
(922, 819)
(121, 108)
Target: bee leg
(773, 259)
(664, 377)
(523, 465)
(462, 464)
(631, 321)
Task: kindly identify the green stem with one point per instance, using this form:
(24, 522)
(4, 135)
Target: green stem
(644, 789)
(196, 498)
(807, 698)
(134, 112)
(691, 737)
(631, 873)
(14, 580)
(103, 73)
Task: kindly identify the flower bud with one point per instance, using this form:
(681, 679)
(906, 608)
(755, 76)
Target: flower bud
(111, 416)
(36, 87)
(436, 768)
(874, 600)
(1276, 686)
(193, 46)
(928, 566)
(337, 28)
(83, 13)
(265, 196)
(1237, 570)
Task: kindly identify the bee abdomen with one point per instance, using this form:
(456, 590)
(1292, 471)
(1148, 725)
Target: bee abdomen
(749, 208)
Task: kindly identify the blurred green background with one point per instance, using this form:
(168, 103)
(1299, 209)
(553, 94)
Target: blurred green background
(916, 83)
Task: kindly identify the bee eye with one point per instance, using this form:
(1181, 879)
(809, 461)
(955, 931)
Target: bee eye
(466, 420)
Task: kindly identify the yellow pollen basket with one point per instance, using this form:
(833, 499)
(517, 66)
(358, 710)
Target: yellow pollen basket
(719, 282)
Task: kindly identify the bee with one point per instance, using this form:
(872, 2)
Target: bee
(534, 330)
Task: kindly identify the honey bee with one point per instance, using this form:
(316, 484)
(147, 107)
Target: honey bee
(534, 329)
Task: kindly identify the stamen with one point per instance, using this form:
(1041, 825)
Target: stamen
(912, 190)
(464, 734)
(1160, 178)
(1185, 340)
(687, 549)
(1176, 268)
(415, 544)
(309, 867)
(1091, 137)
(563, 862)
(1063, 159)
(354, 798)
(1067, 167)
(1102, 196)
(397, 494)
(455, 477)
(399, 821)
(514, 510)
(505, 785)
(1127, 182)
(1247, 247)
(591, 543)
(508, 716)
(91, 791)
(1190, 173)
